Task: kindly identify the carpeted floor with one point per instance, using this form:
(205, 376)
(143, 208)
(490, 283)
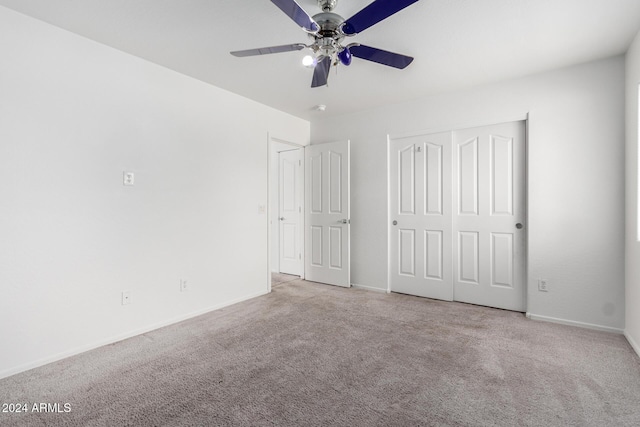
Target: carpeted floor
(316, 355)
(280, 278)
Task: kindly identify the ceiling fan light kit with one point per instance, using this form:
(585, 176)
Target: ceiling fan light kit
(309, 61)
(328, 31)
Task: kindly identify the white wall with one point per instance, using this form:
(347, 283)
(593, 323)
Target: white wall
(73, 116)
(576, 181)
(632, 324)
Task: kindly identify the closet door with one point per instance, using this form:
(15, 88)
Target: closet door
(457, 215)
(420, 215)
(489, 215)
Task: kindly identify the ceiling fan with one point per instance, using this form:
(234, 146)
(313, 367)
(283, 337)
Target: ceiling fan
(328, 31)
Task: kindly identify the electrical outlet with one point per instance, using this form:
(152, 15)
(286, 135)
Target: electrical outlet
(128, 178)
(126, 297)
(542, 285)
(183, 285)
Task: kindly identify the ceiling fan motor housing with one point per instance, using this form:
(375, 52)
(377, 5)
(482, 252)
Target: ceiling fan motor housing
(329, 37)
(329, 23)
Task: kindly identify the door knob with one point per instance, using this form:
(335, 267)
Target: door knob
(344, 221)
(395, 223)
(518, 226)
(282, 218)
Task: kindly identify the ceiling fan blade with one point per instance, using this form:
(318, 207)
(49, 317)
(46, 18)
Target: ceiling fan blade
(268, 50)
(374, 13)
(381, 56)
(295, 12)
(321, 72)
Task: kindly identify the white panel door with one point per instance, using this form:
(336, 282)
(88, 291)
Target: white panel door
(327, 242)
(290, 211)
(420, 208)
(489, 215)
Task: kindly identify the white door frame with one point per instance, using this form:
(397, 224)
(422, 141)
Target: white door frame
(271, 147)
(526, 117)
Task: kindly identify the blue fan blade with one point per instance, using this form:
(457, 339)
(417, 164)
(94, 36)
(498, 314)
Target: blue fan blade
(321, 72)
(268, 50)
(374, 13)
(295, 12)
(381, 56)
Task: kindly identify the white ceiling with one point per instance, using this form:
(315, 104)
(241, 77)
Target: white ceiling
(456, 43)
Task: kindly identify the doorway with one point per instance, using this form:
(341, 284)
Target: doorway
(286, 216)
(309, 212)
(457, 213)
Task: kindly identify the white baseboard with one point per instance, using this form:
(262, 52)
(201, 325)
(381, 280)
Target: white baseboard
(369, 288)
(121, 337)
(574, 323)
(633, 343)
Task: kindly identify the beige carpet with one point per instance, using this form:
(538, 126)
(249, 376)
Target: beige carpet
(316, 355)
(280, 278)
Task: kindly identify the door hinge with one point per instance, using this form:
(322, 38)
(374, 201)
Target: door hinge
(299, 162)
(299, 256)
